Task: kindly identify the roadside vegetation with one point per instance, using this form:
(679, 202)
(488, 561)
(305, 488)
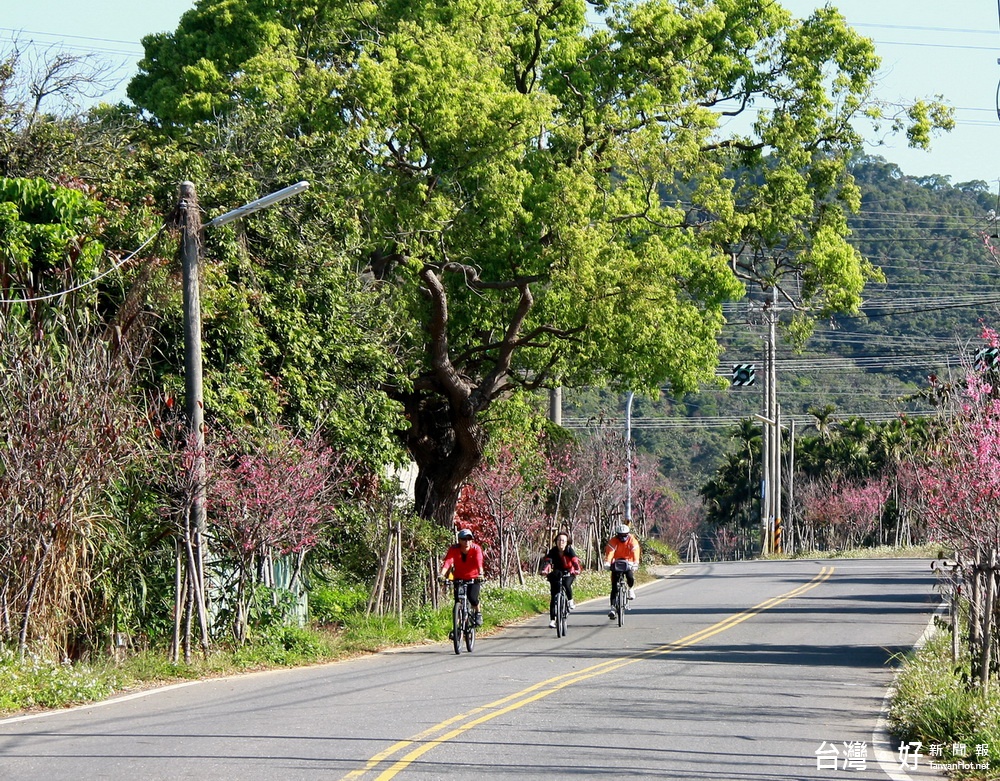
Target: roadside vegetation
(339, 629)
(483, 223)
(934, 704)
(925, 551)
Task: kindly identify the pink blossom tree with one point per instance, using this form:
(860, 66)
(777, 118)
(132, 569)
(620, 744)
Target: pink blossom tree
(960, 482)
(270, 502)
(513, 502)
(839, 513)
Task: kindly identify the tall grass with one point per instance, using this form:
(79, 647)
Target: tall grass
(933, 704)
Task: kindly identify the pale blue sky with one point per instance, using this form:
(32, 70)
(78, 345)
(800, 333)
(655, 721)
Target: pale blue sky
(928, 47)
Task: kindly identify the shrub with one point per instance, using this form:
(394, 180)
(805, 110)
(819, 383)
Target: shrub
(330, 603)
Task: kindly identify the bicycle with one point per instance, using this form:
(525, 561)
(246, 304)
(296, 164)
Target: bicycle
(562, 605)
(622, 598)
(463, 620)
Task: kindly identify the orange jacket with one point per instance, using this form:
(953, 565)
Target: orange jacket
(628, 550)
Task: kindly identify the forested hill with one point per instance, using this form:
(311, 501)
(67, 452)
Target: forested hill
(932, 241)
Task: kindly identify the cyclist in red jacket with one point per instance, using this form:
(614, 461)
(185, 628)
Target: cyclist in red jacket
(560, 562)
(465, 559)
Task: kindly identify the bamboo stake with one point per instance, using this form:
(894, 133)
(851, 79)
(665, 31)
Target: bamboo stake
(990, 587)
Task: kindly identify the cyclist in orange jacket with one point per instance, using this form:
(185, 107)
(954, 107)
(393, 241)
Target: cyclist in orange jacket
(622, 545)
(465, 558)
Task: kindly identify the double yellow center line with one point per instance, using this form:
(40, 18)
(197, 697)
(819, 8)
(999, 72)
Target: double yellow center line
(446, 730)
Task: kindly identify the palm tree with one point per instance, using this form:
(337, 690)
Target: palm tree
(824, 420)
(730, 494)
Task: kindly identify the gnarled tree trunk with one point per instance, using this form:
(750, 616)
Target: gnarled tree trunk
(447, 447)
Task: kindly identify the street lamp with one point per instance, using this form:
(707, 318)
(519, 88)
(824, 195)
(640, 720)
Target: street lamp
(260, 203)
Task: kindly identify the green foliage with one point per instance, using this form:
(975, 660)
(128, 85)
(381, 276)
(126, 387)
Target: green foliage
(655, 551)
(132, 577)
(48, 238)
(534, 201)
(283, 646)
(36, 682)
(270, 609)
(331, 603)
(933, 704)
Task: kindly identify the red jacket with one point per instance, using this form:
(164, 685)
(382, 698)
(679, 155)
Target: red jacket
(565, 561)
(468, 565)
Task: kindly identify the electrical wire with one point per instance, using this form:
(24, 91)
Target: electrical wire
(82, 285)
(729, 421)
(998, 83)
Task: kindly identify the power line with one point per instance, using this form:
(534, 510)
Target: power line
(938, 45)
(728, 421)
(62, 36)
(923, 29)
(82, 285)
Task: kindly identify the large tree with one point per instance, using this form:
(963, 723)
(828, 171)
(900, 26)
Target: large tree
(544, 199)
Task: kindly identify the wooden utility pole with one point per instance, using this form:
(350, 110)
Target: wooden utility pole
(195, 526)
(193, 382)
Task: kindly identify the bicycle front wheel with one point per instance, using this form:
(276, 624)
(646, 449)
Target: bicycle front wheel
(562, 608)
(622, 602)
(470, 635)
(457, 624)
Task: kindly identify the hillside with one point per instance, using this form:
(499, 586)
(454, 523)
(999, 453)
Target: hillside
(942, 282)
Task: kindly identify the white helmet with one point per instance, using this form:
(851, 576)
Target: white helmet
(622, 529)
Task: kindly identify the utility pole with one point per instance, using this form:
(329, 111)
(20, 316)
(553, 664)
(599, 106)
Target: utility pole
(193, 377)
(191, 594)
(628, 456)
(194, 531)
(776, 540)
(555, 405)
(789, 543)
(772, 387)
(770, 503)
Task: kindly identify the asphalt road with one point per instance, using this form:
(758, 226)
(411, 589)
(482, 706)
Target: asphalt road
(734, 671)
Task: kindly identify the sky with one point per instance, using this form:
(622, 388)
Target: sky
(928, 48)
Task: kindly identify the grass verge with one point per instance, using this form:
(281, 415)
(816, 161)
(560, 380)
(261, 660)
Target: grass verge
(928, 551)
(959, 727)
(33, 683)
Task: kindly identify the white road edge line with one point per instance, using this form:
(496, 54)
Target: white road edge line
(100, 703)
(888, 759)
(168, 687)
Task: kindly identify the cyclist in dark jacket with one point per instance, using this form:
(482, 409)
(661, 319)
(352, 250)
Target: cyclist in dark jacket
(560, 563)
